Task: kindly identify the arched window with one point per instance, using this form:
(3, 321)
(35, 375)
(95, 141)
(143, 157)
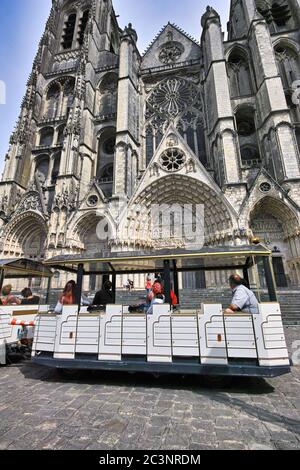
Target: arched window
(239, 74)
(60, 135)
(52, 101)
(113, 44)
(105, 163)
(56, 167)
(149, 144)
(42, 168)
(108, 95)
(46, 137)
(250, 155)
(68, 32)
(281, 12)
(246, 127)
(175, 100)
(201, 145)
(107, 174)
(82, 26)
(191, 128)
(277, 14)
(68, 97)
(288, 65)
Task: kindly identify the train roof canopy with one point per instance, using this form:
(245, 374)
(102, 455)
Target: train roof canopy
(214, 258)
(23, 268)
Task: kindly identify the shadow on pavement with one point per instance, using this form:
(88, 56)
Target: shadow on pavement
(233, 385)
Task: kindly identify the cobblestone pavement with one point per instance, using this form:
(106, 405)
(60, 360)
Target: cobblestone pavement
(41, 410)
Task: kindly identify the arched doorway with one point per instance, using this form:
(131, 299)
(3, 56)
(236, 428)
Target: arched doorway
(275, 224)
(179, 193)
(25, 237)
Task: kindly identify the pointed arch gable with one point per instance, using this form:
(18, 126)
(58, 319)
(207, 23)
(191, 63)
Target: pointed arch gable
(171, 35)
(90, 231)
(192, 168)
(275, 196)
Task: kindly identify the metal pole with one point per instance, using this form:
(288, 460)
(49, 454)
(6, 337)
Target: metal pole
(80, 275)
(270, 279)
(176, 283)
(246, 276)
(114, 287)
(167, 281)
(1, 278)
(48, 290)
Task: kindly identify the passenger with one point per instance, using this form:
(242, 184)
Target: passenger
(8, 298)
(157, 288)
(105, 295)
(243, 299)
(68, 296)
(29, 298)
(158, 299)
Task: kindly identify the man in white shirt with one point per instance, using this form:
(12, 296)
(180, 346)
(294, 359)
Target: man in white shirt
(243, 299)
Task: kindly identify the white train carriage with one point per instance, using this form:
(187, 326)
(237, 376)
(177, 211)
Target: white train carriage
(198, 341)
(17, 321)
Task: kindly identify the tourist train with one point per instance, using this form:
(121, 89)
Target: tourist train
(201, 341)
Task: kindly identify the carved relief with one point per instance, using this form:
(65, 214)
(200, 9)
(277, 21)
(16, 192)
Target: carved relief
(65, 200)
(31, 202)
(171, 52)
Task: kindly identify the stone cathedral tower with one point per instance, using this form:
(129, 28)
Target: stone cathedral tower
(213, 122)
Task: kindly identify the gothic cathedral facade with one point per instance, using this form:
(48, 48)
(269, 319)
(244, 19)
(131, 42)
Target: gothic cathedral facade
(214, 122)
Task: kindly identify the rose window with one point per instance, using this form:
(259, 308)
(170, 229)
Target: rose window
(93, 201)
(265, 187)
(173, 96)
(172, 159)
(170, 53)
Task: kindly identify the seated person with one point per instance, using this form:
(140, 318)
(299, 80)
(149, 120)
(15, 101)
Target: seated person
(158, 299)
(243, 299)
(105, 295)
(7, 298)
(29, 298)
(157, 288)
(69, 296)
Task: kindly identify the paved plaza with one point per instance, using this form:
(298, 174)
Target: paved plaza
(40, 409)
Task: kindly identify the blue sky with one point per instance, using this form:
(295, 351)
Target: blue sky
(22, 23)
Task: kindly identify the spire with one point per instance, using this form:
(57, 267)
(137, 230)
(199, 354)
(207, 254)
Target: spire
(208, 15)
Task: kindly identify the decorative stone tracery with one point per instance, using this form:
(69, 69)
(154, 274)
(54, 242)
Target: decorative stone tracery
(172, 160)
(175, 100)
(172, 96)
(171, 52)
